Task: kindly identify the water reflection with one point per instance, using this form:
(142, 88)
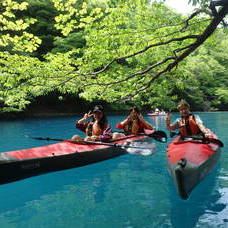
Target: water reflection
(158, 121)
(94, 178)
(107, 194)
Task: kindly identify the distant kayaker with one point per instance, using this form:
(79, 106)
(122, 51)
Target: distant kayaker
(157, 111)
(133, 124)
(188, 124)
(95, 125)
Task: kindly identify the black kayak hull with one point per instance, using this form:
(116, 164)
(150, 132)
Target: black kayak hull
(20, 169)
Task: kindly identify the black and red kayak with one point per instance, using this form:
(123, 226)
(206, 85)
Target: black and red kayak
(20, 164)
(190, 159)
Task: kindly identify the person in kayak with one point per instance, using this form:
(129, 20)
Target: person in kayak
(188, 124)
(133, 124)
(95, 125)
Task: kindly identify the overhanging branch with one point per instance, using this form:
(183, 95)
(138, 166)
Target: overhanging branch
(167, 65)
(200, 40)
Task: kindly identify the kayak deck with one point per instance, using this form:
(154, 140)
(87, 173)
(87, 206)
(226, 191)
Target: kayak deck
(62, 148)
(56, 149)
(194, 152)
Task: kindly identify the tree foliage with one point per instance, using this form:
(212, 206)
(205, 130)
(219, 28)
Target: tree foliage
(121, 51)
(44, 12)
(131, 63)
(13, 29)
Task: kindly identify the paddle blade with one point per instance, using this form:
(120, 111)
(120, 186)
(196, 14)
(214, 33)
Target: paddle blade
(173, 133)
(140, 148)
(216, 141)
(159, 136)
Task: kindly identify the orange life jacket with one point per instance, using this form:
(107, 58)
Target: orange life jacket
(93, 129)
(134, 128)
(131, 128)
(89, 129)
(189, 126)
(96, 130)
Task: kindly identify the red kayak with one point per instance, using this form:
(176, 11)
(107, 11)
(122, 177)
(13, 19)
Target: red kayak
(190, 160)
(19, 164)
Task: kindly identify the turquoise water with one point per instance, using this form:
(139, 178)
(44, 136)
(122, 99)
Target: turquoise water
(129, 191)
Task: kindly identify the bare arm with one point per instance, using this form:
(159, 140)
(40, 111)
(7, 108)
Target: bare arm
(145, 123)
(85, 117)
(170, 126)
(124, 122)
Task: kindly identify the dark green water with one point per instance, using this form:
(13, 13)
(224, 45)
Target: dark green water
(128, 191)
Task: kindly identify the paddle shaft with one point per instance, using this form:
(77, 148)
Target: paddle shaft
(210, 140)
(159, 136)
(204, 139)
(87, 142)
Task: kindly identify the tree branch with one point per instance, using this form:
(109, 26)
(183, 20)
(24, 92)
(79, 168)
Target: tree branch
(139, 52)
(186, 22)
(200, 40)
(148, 69)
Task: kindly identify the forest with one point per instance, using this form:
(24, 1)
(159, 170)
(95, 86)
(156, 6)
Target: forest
(120, 53)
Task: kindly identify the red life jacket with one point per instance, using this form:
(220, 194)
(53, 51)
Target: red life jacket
(189, 126)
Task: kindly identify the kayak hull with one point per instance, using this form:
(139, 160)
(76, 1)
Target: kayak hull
(189, 163)
(20, 164)
(20, 169)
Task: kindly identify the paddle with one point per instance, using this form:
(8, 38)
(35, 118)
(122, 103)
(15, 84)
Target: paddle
(203, 139)
(157, 135)
(208, 140)
(148, 150)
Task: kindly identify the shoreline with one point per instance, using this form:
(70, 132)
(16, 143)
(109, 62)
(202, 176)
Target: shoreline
(24, 115)
(29, 115)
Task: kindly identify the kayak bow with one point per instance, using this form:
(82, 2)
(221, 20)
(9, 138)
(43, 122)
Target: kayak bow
(191, 160)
